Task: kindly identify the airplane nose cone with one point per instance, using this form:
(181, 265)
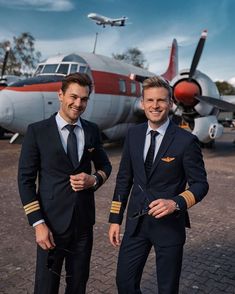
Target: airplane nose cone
(6, 109)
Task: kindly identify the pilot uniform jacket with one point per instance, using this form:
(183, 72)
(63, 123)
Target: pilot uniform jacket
(177, 173)
(51, 197)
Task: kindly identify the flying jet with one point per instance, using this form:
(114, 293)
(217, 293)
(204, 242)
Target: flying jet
(197, 100)
(114, 101)
(104, 20)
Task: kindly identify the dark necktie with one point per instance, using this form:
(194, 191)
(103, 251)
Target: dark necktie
(150, 155)
(72, 149)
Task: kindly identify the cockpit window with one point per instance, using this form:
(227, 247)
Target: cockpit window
(39, 68)
(50, 68)
(82, 68)
(73, 68)
(63, 69)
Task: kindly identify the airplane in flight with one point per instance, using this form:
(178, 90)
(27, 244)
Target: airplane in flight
(113, 104)
(104, 20)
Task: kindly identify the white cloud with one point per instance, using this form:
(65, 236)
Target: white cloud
(41, 5)
(232, 81)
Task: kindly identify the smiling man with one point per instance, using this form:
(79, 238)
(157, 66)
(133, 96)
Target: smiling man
(163, 169)
(57, 154)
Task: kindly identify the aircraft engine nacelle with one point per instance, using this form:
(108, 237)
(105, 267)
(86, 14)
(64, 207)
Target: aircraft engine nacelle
(207, 128)
(185, 90)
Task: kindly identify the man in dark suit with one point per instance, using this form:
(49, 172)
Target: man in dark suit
(57, 188)
(162, 167)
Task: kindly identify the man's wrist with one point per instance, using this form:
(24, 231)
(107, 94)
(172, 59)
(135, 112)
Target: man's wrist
(95, 182)
(177, 208)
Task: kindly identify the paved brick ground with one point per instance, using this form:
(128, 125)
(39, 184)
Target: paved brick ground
(209, 259)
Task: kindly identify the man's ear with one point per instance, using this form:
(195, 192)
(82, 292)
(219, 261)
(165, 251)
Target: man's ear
(142, 103)
(60, 95)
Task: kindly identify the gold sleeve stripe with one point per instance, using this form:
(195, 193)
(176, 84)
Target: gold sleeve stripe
(31, 203)
(32, 207)
(103, 175)
(189, 198)
(32, 210)
(116, 204)
(115, 211)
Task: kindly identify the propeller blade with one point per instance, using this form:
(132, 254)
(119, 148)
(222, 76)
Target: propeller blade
(197, 54)
(5, 61)
(220, 104)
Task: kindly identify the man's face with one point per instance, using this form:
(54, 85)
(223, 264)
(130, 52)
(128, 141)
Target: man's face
(156, 105)
(73, 102)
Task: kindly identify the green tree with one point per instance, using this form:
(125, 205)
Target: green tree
(22, 58)
(225, 88)
(132, 56)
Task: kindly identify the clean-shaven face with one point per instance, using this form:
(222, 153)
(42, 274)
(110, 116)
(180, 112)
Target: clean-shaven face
(73, 102)
(156, 105)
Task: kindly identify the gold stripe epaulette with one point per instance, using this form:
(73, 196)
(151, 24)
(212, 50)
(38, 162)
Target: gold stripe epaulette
(189, 198)
(31, 207)
(115, 207)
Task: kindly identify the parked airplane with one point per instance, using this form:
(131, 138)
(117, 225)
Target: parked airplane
(104, 20)
(6, 80)
(197, 100)
(114, 102)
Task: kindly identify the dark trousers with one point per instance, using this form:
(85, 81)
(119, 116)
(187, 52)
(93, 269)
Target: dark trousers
(74, 248)
(133, 254)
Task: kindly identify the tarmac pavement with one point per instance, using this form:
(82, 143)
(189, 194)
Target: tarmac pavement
(209, 256)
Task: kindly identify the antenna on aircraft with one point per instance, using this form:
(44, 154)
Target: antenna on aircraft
(96, 36)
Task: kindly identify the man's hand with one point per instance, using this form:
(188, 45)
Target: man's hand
(114, 234)
(161, 207)
(44, 237)
(81, 181)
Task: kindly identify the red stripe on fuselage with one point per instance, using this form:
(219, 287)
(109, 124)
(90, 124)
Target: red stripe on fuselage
(105, 83)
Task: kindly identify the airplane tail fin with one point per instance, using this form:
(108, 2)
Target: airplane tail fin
(172, 69)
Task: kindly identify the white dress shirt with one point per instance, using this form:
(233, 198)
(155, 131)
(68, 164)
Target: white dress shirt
(161, 130)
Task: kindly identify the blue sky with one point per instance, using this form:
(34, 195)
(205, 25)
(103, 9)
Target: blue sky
(62, 26)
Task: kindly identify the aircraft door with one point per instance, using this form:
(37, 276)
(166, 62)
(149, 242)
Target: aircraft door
(50, 103)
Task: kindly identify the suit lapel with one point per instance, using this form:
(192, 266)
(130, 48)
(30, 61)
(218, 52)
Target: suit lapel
(139, 148)
(167, 139)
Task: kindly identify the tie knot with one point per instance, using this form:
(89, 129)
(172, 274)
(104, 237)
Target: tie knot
(70, 128)
(154, 134)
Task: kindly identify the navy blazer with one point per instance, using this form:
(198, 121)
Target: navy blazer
(43, 158)
(177, 173)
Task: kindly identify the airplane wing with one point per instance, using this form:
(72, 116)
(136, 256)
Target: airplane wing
(222, 104)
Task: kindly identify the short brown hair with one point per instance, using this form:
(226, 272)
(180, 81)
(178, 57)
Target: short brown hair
(81, 79)
(157, 82)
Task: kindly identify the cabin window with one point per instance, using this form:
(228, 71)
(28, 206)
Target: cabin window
(50, 68)
(38, 70)
(122, 86)
(82, 69)
(133, 88)
(63, 69)
(73, 68)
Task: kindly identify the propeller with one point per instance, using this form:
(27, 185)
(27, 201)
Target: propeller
(5, 62)
(186, 90)
(221, 104)
(197, 54)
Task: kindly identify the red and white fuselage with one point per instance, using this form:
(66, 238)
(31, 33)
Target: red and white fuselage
(112, 104)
